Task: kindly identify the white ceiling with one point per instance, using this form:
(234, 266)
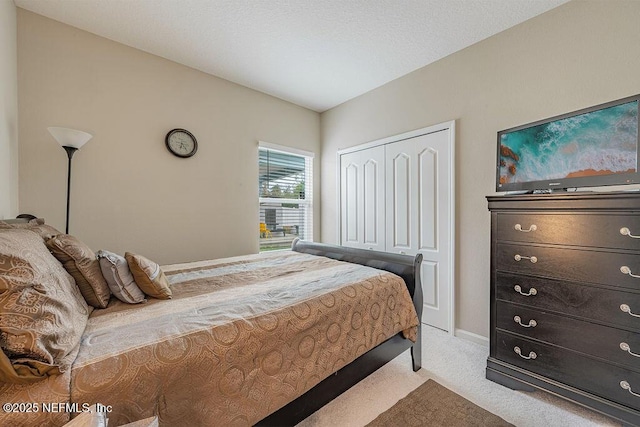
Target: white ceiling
(314, 53)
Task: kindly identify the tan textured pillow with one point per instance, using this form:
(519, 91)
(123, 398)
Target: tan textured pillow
(148, 276)
(117, 274)
(42, 313)
(80, 261)
(36, 225)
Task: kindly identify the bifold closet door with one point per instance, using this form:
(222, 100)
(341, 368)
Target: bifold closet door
(418, 217)
(362, 199)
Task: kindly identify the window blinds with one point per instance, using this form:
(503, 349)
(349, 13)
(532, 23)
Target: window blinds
(285, 186)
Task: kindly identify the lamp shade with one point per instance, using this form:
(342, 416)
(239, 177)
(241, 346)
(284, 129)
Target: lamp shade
(70, 137)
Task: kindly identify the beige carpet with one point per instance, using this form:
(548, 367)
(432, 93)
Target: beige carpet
(432, 404)
(459, 365)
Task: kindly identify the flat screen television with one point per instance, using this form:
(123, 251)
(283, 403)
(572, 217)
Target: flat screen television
(592, 147)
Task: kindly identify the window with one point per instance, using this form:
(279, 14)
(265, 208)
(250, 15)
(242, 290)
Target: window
(285, 188)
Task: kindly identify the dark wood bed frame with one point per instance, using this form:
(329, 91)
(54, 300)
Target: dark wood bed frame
(405, 266)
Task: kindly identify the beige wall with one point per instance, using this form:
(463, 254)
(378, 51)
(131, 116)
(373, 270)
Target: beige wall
(128, 192)
(580, 54)
(8, 111)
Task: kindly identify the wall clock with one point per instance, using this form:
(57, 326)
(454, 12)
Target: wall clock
(181, 143)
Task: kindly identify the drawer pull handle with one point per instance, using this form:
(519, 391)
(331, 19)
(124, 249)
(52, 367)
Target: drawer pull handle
(626, 232)
(532, 323)
(531, 293)
(626, 270)
(532, 227)
(532, 355)
(625, 347)
(625, 308)
(625, 385)
(533, 259)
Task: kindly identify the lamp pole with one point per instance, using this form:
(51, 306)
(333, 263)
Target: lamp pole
(70, 152)
(71, 140)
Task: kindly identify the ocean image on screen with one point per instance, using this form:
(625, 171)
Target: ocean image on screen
(601, 142)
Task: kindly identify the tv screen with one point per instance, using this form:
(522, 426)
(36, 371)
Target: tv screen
(595, 146)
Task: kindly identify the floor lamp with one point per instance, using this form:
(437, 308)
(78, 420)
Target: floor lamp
(71, 140)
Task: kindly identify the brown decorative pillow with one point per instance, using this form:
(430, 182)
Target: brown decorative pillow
(42, 313)
(148, 276)
(80, 261)
(117, 274)
(36, 225)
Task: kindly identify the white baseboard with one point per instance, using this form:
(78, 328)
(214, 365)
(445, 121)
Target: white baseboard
(470, 336)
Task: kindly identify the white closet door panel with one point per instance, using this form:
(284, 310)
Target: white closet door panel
(428, 199)
(401, 198)
(430, 288)
(401, 181)
(352, 203)
(434, 223)
(373, 206)
(350, 193)
(362, 199)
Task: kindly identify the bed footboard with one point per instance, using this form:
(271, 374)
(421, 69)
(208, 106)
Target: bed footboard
(405, 266)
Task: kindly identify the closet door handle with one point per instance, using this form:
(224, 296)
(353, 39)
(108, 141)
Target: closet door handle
(531, 356)
(626, 270)
(531, 293)
(625, 385)
(626, 232)
(533, 259)
(625, 347)
(626, 309)
(532, 323)
(532, 227)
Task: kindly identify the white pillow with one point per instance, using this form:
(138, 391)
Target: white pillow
(119, 278)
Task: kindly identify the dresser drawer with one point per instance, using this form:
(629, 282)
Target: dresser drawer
(602, 231)
(611, 344)
(589, 266)
(587, 302)
(568, 367)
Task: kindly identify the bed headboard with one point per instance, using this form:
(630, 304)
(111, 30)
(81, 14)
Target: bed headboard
(405, 266)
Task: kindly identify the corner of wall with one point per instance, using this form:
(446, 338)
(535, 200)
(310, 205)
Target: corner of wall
(470, 336)
(8, 110)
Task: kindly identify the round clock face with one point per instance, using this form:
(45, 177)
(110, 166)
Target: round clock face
(181, 143)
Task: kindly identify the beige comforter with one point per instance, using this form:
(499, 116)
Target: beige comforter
(241, 338)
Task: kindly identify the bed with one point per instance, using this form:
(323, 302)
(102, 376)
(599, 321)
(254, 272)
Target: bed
(254, 340)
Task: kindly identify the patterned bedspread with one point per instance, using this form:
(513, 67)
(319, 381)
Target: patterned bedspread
(241, 338)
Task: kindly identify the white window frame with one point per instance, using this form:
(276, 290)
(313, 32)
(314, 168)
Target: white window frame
(308, 200)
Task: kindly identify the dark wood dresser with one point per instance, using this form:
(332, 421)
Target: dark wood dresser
(565, 298)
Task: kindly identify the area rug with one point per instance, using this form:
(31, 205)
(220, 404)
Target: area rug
(432, 404)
